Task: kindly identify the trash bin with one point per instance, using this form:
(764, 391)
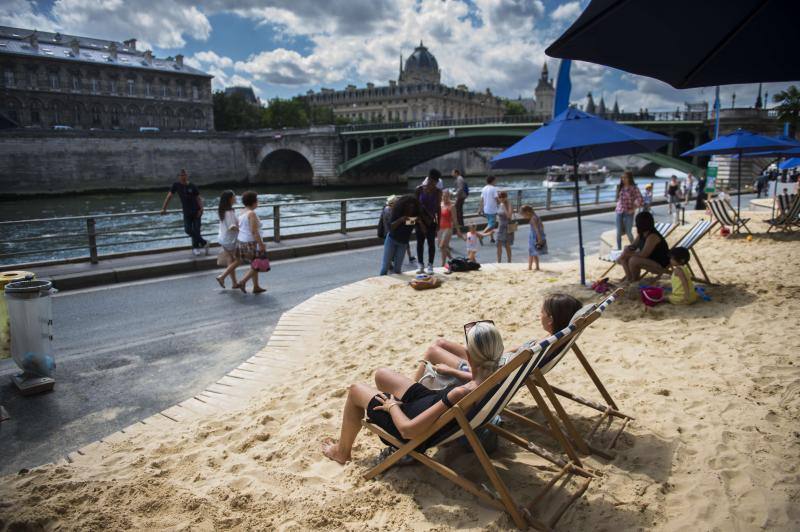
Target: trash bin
(5, 278)
(31, 323)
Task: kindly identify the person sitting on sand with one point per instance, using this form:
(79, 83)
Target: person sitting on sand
(450, 358)
(417, 407)
(683, 292)
(648, 252)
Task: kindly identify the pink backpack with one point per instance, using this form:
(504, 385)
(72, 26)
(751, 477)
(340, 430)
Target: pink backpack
(651, 295)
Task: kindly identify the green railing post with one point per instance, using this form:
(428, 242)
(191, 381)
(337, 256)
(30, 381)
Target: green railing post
(343, 214)
(276, 223)
(92, 233)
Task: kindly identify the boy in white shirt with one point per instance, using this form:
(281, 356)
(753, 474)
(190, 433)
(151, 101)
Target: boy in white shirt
(488, 204)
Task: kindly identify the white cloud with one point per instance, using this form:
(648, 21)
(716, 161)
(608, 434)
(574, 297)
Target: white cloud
(566, 12)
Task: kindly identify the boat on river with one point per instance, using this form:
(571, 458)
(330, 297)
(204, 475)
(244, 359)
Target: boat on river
(559, 176)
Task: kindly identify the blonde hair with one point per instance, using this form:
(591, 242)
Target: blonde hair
(485, 347)
(446, 196)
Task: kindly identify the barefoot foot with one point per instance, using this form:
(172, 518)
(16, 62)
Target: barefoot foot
(330, 448)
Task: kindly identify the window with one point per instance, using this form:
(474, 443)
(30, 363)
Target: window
(147, 88)
(194, 92)
(131, 87)
(76, 84)
(95, 116)
(32, 79)
(8, 77)
(77, 115)
(179, 91)
(113, 86)
(164, 91)
(54, 82)
(95, 85)
(35, 116)
(115, 116)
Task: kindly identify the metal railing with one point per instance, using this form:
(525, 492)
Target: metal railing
(98, 237)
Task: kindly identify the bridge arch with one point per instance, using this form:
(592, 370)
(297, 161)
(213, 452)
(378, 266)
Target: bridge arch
(285, 165)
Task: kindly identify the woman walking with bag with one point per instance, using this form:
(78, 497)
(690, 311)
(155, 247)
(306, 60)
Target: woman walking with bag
(228, 229)
(628, 200)
(250, 248)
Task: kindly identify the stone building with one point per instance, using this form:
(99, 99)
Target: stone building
(52, 79)
(418, 94)
(541, 105)
(247, 94)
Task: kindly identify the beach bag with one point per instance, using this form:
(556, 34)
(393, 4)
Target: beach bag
(224, 258)
(425, 282)
(433, 380)
(651, 295)
(473, 265)
(381, 228)
(261, 263)
(512, 227)
(458, 264)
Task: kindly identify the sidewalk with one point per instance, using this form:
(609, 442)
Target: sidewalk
(134, 268)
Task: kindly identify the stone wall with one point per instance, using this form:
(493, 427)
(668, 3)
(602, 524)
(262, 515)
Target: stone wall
(59, 162)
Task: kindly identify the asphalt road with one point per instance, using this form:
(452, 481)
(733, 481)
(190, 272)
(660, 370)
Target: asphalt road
(127, 351)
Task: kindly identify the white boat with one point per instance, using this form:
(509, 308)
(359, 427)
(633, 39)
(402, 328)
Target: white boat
(559, 176)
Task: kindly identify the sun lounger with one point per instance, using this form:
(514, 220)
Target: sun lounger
(609, 410)
(785, 202)
(789, 217)
(690, 239)
(724, 214)
(475, 411)
(664, 228)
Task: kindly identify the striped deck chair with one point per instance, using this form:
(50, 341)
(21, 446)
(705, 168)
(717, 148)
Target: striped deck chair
(724, 213)
(475, 411)
(665, 228)
(609, 411)
(785, 202)
(690, 239)
(790, 217)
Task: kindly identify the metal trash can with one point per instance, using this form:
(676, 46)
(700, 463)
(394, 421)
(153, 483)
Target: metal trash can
(5, 278)
(31, 327)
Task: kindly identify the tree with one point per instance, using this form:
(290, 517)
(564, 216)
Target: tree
(789, 107)
(514, 108)
(233, 112)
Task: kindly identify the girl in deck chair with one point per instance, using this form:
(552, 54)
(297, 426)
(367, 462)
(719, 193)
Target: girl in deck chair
(449, 359)
(404, 408)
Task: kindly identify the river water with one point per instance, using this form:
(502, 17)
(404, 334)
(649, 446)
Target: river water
(33, 241)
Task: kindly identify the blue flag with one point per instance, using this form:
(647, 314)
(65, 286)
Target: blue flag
(563, 88)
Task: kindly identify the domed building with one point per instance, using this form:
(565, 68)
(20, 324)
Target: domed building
(418, 94)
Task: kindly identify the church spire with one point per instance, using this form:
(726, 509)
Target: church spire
(545, 74)
(759, 101)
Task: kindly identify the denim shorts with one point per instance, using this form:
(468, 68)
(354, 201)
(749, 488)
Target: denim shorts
(491, 220)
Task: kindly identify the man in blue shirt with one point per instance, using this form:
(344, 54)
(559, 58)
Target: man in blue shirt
(192, 205)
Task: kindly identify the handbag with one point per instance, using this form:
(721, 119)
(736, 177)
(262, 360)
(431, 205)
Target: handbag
(512, 227)
(541, 245)
(261, 262)
(224, 258)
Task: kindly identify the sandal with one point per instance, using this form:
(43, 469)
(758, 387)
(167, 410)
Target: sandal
(221, 282)
(241, 287)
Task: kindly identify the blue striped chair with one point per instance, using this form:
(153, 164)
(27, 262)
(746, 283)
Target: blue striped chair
(664, 228)
(790, 215)
(785, 202)
(724, 213)
(700, 229)
(475, 411)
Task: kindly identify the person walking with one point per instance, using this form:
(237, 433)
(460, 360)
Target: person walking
(537, 240)
(689, 186)
(404, 217)
(700, 202)
(462, 191)
(192, 205)
(673, 194)
(447, 222)
(430, 198)
(488, 204)
(228, 229)
(249, 243)
(628, 200)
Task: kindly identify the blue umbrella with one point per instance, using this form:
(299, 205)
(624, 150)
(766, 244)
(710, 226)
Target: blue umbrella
(741, 41)
(738, 143)
(571, 138)
(779, 153)
(790, 163)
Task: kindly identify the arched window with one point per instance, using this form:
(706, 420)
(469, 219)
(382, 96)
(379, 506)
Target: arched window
(11, 108)
(36, 112)
(115, 112)
(150, 116)
(56, 112)
(183, 118)
(198, 119)
(133, 115)
(166, 118)
(95, 115)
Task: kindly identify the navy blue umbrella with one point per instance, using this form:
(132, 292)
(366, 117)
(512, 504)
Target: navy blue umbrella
(573, 137)
(687, 43)
(779, 153)
(738, 143)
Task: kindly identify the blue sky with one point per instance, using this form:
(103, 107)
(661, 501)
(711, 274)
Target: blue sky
(287, 47)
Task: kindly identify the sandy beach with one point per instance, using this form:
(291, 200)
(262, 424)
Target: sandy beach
(714, 388)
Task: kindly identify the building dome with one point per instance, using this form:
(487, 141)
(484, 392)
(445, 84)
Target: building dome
(420, 67)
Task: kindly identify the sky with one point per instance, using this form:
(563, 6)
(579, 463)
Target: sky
(284, 48)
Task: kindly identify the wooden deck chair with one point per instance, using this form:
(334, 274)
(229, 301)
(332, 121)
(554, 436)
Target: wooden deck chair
(690, 239)
(664, 228)
(785, 202)
(724, 213)
(790, 217)
(609, 410)
(475, 411)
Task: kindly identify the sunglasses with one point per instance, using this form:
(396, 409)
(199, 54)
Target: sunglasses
(472, 324)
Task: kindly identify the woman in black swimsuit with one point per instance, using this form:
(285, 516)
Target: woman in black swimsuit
(417, 407)
(648, 252)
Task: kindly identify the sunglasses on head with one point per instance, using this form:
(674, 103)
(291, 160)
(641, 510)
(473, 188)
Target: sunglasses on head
(472, 324)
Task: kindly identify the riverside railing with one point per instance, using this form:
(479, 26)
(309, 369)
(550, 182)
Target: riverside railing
(104, 236)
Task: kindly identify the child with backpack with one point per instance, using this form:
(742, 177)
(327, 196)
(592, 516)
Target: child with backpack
(537, 241)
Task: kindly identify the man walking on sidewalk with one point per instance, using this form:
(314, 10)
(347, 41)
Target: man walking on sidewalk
(461, 196)
(192, 205)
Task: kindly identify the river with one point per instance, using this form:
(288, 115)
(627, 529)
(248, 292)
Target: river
(65, 239)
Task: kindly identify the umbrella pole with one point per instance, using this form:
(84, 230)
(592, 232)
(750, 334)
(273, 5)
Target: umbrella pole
(775, 191)
(578, 212)
(739, 184)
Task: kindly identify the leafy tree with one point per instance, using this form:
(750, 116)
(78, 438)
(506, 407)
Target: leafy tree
(514, 108)
(233, 112)
(789, 107)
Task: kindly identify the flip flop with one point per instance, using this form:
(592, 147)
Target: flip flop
(222, 282)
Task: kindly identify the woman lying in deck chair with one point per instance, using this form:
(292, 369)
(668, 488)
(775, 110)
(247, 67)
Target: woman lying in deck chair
(450, 358)
(404, 408)
(648, 252)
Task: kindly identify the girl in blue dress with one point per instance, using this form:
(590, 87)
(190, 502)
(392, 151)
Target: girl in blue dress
(537, 242)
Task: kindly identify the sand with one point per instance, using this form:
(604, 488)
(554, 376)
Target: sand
(714, 389)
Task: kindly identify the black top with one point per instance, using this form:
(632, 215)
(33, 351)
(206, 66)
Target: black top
(188, 194)
(672, 190)
(660, 253)
(402, 233)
